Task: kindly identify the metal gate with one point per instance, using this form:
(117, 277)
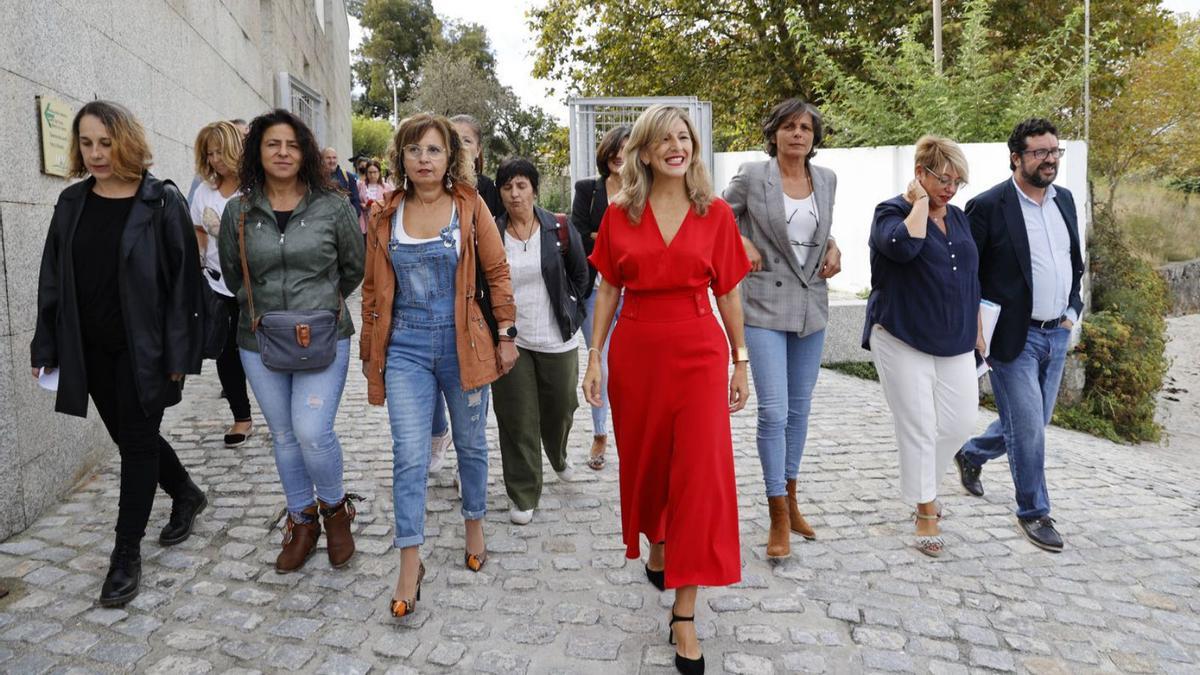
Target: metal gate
(591, 118)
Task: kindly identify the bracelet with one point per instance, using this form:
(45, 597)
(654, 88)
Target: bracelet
(741, 354)
(593, 349)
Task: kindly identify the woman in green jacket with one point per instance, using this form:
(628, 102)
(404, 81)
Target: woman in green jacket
(304, 251)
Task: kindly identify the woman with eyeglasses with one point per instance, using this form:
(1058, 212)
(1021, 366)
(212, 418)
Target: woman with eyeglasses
(424, 330)
(923, 324)
(784, 209)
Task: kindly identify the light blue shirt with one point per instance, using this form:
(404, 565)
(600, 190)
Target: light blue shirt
(1049, 255)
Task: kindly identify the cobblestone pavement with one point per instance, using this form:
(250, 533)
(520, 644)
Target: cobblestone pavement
(1179, 400)
(557, 595)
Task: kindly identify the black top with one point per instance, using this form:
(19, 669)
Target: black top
(281, 218)
(923, 291)
(97, 251)
(587, 212)
(491, 195)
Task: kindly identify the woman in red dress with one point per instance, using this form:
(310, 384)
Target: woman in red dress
(666, 240)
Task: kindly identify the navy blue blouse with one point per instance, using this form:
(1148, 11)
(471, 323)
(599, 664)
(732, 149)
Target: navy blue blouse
(923, 291)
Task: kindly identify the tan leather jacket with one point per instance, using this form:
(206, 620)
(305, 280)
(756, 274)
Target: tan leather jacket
(478, 358)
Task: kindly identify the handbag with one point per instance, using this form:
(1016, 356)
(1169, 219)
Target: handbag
(483, 292)
(290, 340)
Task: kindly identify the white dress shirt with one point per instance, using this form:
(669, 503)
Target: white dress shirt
(1049, 255)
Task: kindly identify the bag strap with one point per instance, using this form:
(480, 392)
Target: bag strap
(564, 237)
(246, 271)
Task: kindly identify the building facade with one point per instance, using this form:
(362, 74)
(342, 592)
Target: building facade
(177, 65)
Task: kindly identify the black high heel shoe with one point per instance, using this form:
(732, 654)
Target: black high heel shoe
(657, 577)
(683, 664)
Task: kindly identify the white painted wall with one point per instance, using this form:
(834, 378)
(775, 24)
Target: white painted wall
(868, 176)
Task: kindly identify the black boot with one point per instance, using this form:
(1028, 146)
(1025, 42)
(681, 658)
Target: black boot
(184, 510)
(124, 574)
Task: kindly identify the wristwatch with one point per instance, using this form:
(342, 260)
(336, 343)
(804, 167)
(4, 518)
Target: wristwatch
(509, 333)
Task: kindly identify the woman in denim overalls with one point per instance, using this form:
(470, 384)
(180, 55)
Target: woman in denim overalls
(424, 331)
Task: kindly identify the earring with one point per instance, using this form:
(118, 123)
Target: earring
(449, 182)
(405, 187)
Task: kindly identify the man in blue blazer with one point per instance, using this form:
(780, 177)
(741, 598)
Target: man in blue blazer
(1030, 263)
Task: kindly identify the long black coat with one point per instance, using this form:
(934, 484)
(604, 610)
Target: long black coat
(159, 298)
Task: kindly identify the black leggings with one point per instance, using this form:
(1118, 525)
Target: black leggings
(229, 368)
(147, 459)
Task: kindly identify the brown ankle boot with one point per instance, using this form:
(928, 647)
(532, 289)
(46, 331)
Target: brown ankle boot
(339, 542)
(798, 524)
(779, 543)
(299, 541)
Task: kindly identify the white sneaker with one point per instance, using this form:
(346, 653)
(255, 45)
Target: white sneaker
(568, 472)
(437, 454)
(520, 517)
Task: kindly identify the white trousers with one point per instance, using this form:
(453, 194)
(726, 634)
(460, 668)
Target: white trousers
(934, 402)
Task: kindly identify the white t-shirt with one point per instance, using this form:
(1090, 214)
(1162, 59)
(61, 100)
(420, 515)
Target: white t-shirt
(537, 327)
(801, 217)
(207, 206)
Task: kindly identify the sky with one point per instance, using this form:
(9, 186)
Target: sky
(512, 42)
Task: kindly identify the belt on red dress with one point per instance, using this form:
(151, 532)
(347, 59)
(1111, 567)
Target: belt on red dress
(665, 305)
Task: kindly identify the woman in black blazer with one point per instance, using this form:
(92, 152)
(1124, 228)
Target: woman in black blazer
(587, 210)
(118, 318)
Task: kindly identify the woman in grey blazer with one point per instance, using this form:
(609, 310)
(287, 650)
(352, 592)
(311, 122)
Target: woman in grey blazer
(784, 209)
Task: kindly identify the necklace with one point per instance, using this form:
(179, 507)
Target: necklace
(524, 240)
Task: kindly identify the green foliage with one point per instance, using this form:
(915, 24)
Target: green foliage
(860, 369)
(398, 34)
(1187, 185)
(453, 84)
(1125, 336)
(897, 95)
(370, 136)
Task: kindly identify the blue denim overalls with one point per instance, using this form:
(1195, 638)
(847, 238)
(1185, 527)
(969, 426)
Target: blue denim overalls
(422, 358)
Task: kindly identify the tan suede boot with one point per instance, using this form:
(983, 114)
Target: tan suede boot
(779, 543)
(299, 541)
(798, 524)
(339, 541)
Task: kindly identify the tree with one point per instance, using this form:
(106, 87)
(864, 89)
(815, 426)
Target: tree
(398, 35)
(744, 55)
(470, 41)
(1153, 125)
(980, 94)
(370, 136)
(450, 84)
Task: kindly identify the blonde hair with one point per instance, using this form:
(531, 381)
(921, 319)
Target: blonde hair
(938, 153)
(130, 154)
(458, 166)
(637, 177)
(228, 140)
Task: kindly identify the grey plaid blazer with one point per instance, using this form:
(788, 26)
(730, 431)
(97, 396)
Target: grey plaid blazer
(783, 296)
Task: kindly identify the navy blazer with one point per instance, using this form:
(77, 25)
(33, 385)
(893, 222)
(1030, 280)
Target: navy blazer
(1005, 276)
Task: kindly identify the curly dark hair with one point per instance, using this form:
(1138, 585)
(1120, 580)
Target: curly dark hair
(1017, 140)
(251, 174)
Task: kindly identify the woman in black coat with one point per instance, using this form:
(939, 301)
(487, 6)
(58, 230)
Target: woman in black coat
(587, 210)
(118, 317)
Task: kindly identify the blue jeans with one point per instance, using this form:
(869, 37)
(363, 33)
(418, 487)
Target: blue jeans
(422, 359)
(600, 414)
(1025, 390)
(300, 409)
(785, 368)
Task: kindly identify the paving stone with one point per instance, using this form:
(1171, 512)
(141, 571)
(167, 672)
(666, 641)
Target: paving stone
(593, 648)
(747, 664)
(123, 654)
(180, 665)
(190, 639)
(395, 646)
(531, 633)
(289, 657)
(879, 639)
(757, 634)
(343, 664)
(895, 662)
(138, 626)
(446, 654)
(991, 658)
(70, 642)
(497, 662)
(299, 629)
(730, 603)
(577, 614)
(243, 651)
(31, 663)
(804, 662)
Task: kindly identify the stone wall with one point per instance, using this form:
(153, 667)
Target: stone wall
(177, 64)
(1183, 283)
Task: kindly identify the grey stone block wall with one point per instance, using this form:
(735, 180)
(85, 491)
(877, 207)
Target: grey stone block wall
(1183, 285)
(178, 65)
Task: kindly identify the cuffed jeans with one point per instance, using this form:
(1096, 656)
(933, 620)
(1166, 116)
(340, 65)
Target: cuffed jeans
(785, 368)
(600, 413)
(1025, 389)
(300, 409)
(422, 358)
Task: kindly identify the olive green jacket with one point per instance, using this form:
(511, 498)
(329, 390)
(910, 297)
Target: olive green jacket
(314, 263)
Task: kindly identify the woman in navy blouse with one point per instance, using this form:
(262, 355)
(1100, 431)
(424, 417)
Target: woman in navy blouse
(923, 323)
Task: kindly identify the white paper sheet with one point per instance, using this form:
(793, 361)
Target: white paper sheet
(48, 381)
(989, 314)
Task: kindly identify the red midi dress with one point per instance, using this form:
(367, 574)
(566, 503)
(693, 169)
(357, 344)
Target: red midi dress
(669, 389)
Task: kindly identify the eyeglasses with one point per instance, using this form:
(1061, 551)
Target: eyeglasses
(1043, 153)
(431, 151)
(944, 181)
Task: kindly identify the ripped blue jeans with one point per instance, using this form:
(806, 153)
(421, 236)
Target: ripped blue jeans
(300, 409)
(422, 358)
